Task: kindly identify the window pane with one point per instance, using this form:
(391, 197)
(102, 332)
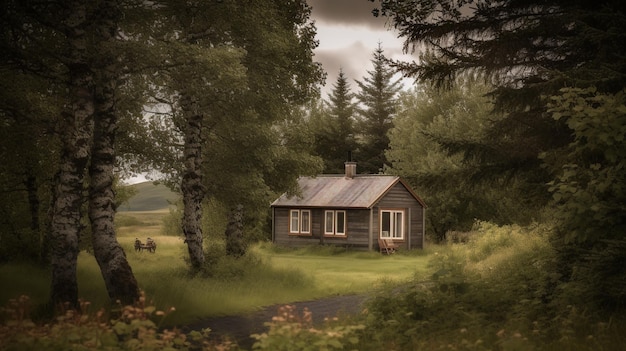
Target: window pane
(329, 222)
(385, 224)
(340, 228)
(306, 222)
(398, 223)
(295, 223)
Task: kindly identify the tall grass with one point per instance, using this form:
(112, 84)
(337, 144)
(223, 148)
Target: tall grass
(267, 275)
(498, 291)
(24, 278)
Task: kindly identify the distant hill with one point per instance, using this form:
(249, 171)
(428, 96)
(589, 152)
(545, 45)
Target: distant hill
(150, 197)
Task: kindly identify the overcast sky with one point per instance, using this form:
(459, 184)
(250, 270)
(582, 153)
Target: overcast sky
(348, 35)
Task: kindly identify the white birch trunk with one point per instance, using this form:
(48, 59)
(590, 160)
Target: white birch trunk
(76, 129)
(118, 276)
(191, 185)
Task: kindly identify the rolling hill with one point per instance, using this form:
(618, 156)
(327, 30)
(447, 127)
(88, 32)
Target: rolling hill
(150, 197)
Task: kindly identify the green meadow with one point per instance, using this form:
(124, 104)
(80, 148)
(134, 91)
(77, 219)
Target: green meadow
(491, 292)
(266, 276)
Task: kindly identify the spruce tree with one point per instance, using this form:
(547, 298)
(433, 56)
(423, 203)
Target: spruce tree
(377, 107)
(559, 70)
(334, 132)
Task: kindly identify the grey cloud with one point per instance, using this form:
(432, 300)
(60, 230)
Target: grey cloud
(346, 12)
(354, 60)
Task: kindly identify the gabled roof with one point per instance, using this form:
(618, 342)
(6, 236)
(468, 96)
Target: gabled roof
(337, 191)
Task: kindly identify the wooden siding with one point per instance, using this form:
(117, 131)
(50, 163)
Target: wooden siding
(357, 230)
(399, 198)
(357, 224)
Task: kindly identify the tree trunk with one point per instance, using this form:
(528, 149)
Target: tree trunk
(235, 241)
(118, 276)
(191, 185)
(76, 129)
(117, 273)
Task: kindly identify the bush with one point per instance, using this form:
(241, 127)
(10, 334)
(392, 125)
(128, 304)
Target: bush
(172, 224)
(495, 293)
(134, 329)
(488, 238)
(292, 331)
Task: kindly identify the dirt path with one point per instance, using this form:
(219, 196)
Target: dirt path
(240, 327)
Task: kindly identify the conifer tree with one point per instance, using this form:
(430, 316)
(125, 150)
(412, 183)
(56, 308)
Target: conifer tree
(377, 99)
(553, 138)
(334, 129)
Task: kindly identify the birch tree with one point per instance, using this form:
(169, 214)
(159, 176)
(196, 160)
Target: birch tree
(118, 276)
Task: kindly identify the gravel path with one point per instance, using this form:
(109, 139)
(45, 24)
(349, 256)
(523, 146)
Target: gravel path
(239, 328)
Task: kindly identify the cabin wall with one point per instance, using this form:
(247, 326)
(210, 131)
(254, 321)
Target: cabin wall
(357, 230)
(358, 222)
(398, 197)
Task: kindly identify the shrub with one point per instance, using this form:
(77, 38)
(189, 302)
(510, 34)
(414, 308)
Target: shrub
(172, 223)
(292, 331)
(494, 293)
(489, 238)
(134, 329)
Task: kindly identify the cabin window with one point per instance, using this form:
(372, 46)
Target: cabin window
(300, 222)
(392, 224)
(335, 222)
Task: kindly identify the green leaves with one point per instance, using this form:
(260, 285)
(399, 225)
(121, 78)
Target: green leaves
(439, 143)
(589, 189)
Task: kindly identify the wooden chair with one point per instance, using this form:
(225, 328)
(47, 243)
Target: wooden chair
(387, 246)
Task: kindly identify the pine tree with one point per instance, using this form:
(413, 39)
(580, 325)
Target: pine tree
(377, 98)
(559, 69)
(334, 129)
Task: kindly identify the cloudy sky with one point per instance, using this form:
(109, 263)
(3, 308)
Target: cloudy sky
(348, 35)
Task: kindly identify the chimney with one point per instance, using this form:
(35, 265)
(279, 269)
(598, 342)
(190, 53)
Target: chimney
(350, 169)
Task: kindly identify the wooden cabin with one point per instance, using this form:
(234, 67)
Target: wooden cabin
(350, 210)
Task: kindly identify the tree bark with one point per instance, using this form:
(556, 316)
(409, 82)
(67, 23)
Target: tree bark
(191, 184)
(235, 241)
(118, 276)
(76, 129)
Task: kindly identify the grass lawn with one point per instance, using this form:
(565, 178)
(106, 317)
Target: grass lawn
(353, 272)
(268, 277)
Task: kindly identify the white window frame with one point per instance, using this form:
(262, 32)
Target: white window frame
(331, 218)
(297, 224)
(393, 225)
(327, 222)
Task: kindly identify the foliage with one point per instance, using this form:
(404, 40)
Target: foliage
(376, 109)
(334, 127)
(590, 186)
(172, 222)
(429, 143)
(134, 329)
(589, 192)
(291, 331)
(28, 108)
(526, 50)
(492, 293)
(558, 73)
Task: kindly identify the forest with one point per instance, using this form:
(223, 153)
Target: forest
(515, 127)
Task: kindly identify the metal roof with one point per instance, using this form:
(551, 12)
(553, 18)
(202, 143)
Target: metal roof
(362, 191)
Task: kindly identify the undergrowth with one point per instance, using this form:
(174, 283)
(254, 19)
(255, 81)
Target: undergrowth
(495, 292)
(498, 290)
(134, 328)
